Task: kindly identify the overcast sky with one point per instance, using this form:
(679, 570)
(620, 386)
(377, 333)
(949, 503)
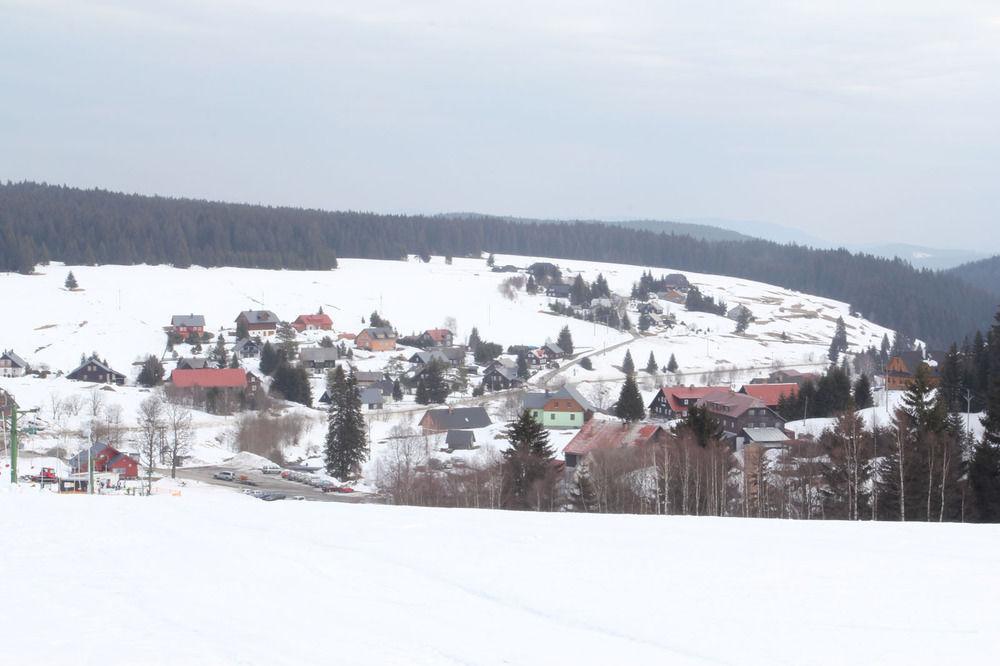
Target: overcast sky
(861, 121)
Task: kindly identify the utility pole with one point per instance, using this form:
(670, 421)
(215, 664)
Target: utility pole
(13, 442)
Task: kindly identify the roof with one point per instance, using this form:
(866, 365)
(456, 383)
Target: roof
(192, 362)
(729, 402)
(379, 332)
(314, 319)
(603, 435)
(370, 396)
(674, 394)
(456, 418)
(243, 343)
(95, 449)
(438, 334)
(428, 356)
(538, 400)
(460, 439)
(913, 359)
(318, 354)
(559, 288)
(765, 435)
(365, 377)
(734, 312)
(771, 394)
(259, 317)
(14, 358)
(503, 369)
(99, 363)
(554, 348)
(209, 378)
(187, 320)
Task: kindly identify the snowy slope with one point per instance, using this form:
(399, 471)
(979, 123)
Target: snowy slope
(217, 578)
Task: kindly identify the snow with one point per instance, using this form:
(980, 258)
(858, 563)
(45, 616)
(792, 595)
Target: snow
(200, 576)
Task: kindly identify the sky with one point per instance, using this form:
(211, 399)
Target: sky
(852, 121)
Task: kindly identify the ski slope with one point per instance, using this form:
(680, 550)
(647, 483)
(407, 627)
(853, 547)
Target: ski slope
(211, 577)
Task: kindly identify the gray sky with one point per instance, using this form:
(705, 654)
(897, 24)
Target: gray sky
(866, 121)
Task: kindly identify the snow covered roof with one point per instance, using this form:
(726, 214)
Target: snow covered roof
(187, 320)
(318, 354)
(456, 418)
(765, 435)
(16, 360)
(596, 435)
(259, 317)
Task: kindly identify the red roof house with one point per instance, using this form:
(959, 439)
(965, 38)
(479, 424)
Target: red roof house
(771, 394)
(607, 435)
(672, 402)
(312, 322)
(209, 378)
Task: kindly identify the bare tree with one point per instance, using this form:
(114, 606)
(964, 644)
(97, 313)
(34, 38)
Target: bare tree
(179, 431)
(397, 468)
(150, 435)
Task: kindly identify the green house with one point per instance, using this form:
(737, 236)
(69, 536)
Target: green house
(565, 408)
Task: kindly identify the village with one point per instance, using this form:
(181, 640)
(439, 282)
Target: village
(448, 400)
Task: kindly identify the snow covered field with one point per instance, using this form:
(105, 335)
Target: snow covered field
(212, 577)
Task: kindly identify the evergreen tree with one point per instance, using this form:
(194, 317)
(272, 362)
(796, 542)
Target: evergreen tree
(474, 340)
(920, 403)
(863, 398)
(242, 332)
(600, 287)
(421, 396)
(984, 470)
(292, 383)
(838, 344)
(645, 321)
(522, 366)
(883, 353)
(70, 281)
(151, 373)
(672, 364)
(702, 424)
(629, 407)
(268, 359)
(532, 286)
(219, 355)
(346, 445)
(565, 340)
(579, 291)
(586, 363)
(743, 321)
(491, 261)
(234, 361)
(628, 366)
(626, 322)
(435, 386)
(527, 460)
(287, 345)
(397, 390)
(651, 365)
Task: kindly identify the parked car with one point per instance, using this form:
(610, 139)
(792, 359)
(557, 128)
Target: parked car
(271, 497)
(270, 469)
(225, 475)
(300, 498)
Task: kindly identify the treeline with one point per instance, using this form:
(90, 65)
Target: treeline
(984, 274)
(40, 222)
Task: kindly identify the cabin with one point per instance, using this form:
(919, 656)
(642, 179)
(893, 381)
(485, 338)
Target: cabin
(457, 440)
(788, 377)
(312, 322)
(437, 337)
(96, 371)
(185, 325)
(376, 338)
(262, 323)
(318, 358)
(565, 408)
(500, 376)
(106, 458)
(738, 311)
(672, 296)
(192, 363)
(246, 348)
(771, 394)
(902, 368)
(559, 290)
(768, 438)
(12, 365)
(676, 281)
(672, 402)
(736, 411)
(370, 398)
(598, 435)
(454, 418)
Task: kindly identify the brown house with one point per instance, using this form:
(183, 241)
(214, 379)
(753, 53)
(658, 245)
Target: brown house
(902, 368)
(604, 435)
(376, 339)
(313, 322)
(96, 371)
(737, 411)
(259, 322)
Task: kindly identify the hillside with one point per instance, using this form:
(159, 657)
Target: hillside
(984, 274)
(209, 577)
(40, 223)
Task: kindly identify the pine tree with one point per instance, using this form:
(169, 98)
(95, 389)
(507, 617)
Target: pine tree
(242, 332)
(883, 353)
(672, 364)
(219, 355)
(628, 366)
(651, 365)
(526, 461)
(565, 341)
(629, 407)
(397, 390)
(919, 401)
(626, 322)
(838, 344)
(151, 373)
(984, 470)
(863, 398)
(421, 395)
(268, 359)
(702, 424)
(743, 321)
(474, 340)
(287, 345)
(532, 286)
(491, 261)
(70, 281)
(586, 363)
(346, 445)
(522, 366)
(234, 362)
(435, 386)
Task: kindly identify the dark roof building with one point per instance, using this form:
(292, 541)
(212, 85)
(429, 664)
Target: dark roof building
(454, 418)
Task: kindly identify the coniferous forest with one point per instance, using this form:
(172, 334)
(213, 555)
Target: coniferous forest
(39, 223)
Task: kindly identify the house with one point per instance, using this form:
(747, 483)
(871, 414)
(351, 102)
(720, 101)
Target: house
(598, 435)
(105, 459)
(6, 403)
(771, 394)
(437, 337)
(501, 376)
(12, 365)
(191, 363)
(672, 296)
(371, 398)
(318, 358)
(374, 338)
(313, 322)
(425, 357)
(565, 408)
(559, 290)
(768, 438)
(676, 281)
(601, 303)
(460, 439)
(736, 411)
(454, 418)
(247, 348)
(902, 368)
(672, 402)
(185, 325)
(738, 311)
(231, 382)
(259, 322)
(96, 371)
(545, 354)
(789, 377)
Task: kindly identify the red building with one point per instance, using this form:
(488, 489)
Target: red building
(106, 459)
(185, 325)
(312, 322)
(770, 394)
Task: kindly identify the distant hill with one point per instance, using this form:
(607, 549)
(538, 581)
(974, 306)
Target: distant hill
(921, 256)
(984, 274)
(39, 223)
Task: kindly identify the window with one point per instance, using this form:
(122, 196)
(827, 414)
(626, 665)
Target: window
(572, 417)
(552, 417)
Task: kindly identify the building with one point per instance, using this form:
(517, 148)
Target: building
(738, 311)
(200, 384)
(374, 338)
(425, 357)
(460, 439)
(312, 322)
(191, 363)
(565, 408)
(437, 337)
(106, 459)
(598, 435)
(501, 374)
(246, 348)
(96, 371)
(263, 323)
(902, 368)
(672, 296)
(789, 377)
(736, 411)
(318, 358)
(185, 325)
(559, 290)
(771, 394)
(454, 418)
(676, 281)
(672, 402)
(768, 438)
(371, 398)
(7, 402)
(12, 365)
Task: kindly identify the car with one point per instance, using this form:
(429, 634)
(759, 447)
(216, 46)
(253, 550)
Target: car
(286, 474)
(270, 469)
(271, 497)
(225, 475)
(248, 491)
(300, 498)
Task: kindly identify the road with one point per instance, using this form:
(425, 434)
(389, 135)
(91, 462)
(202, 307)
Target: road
(270, 482)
